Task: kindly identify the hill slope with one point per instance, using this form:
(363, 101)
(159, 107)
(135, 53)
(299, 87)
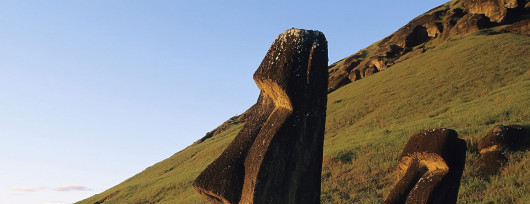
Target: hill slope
(469, 82)
(452, 19)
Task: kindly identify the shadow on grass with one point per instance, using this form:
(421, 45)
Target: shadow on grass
(525, 140)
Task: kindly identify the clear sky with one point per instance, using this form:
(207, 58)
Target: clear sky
(93, 92)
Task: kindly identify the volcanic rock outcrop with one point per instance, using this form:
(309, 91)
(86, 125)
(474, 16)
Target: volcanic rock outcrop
(496, 10)
(453, 19)
(430, 168)
(277, 156)
(494, 145)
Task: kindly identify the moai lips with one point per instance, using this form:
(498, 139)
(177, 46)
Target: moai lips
(430, 167)
(277, 156)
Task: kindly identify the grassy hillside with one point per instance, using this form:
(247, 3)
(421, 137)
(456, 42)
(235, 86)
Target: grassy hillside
(468, 84)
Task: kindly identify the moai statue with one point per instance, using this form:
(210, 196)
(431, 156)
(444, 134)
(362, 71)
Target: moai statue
(277, 156)
(500, 140)
(430, 168)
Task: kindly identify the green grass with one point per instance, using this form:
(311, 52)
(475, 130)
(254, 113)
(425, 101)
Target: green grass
(469, 84)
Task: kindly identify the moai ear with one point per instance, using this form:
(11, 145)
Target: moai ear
(277, 156)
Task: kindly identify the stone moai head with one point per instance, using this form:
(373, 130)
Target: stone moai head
(288, 70)
(430, 168)
(500, 140)
(277, 156)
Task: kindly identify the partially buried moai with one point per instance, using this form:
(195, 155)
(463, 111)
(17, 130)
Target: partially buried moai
(493, 147)
(277, 156)
(430, 168)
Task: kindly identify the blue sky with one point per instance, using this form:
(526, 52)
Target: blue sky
(93, 92)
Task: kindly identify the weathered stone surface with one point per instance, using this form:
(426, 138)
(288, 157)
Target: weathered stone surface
(372, 69)
(416, 32)
(492, 147)
(430, 168)
(502, 138)
(419, 30)
(340, 75)
(450, 19)
(277, 156)
(471, 23)
(379, 64)
(496, 10)
(339, 78)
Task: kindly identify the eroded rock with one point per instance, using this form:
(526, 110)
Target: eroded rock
(418, 31)
(370, 70)
(340, 75)
(379, 63)
(277, 156)
(430, 168)
(496, 10)
(471, 23)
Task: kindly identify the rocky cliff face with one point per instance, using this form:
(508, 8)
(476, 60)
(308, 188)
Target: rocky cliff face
(447, 21)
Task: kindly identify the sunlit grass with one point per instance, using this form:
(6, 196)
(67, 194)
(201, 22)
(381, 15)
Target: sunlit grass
(469, 85)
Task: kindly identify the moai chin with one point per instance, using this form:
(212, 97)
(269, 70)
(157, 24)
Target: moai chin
(430, 168)
(277, 156)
